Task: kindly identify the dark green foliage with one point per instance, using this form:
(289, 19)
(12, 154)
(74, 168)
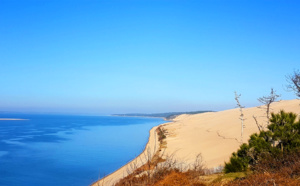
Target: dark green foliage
(239, 161)
(282, 137)
(281, 169)
(285, 130)
(235, 165)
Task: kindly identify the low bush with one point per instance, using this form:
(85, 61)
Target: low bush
(282, 137)
(168, 172)
(283, 169)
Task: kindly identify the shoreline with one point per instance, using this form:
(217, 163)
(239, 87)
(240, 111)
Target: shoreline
(214, 135)
(141, 159)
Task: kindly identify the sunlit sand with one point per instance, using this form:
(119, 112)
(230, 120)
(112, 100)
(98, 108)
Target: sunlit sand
(215, 135)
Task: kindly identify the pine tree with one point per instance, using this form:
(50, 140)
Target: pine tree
(282, 137)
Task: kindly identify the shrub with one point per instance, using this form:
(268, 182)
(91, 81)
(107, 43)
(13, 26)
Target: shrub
(166, 173)
(282, 169)
(282, 137)
(239, 161)
(161, 134)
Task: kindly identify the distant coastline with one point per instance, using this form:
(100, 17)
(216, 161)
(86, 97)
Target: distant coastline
(165, 116)
(122, 115)
(11, 119)
(213, 135)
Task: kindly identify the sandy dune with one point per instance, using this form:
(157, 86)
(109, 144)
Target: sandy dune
(150, 149)
(215, 135)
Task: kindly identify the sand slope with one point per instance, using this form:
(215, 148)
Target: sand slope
(150, 149)
(215, 135)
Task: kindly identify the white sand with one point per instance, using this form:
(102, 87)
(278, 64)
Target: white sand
(215, 135)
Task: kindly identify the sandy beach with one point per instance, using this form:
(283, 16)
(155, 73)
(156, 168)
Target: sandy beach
(214, 135)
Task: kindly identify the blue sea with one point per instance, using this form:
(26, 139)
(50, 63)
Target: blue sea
(65, 150)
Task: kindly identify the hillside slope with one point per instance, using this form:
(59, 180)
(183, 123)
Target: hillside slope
(216, 134)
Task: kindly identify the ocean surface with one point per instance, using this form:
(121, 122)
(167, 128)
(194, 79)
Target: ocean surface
(65, 150)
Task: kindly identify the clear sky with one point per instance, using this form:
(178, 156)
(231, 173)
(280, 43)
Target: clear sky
(108, 56)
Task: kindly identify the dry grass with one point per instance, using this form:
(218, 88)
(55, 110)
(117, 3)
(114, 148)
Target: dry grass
(281, 170)
(222, 179)
(266, 179)
(177, 178)
(158, 171)
(164, 176)
(164, 171)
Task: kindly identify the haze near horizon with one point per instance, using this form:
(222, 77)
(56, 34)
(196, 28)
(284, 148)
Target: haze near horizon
(108, 57)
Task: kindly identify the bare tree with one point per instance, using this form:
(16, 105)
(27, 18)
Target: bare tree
(237, 97)
(267, 101)
(294, 82)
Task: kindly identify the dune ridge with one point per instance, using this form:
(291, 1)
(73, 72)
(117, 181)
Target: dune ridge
(215, 135)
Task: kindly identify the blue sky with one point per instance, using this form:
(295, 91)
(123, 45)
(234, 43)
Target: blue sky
(127, 56)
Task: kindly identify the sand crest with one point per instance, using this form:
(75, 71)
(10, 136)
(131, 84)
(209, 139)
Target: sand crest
(215, 135)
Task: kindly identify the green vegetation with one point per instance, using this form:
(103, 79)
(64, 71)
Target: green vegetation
(271, 157)
(223, 179)
(282, 137)
(283, 169)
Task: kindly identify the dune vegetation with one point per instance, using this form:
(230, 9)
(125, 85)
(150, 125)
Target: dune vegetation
(271, 156)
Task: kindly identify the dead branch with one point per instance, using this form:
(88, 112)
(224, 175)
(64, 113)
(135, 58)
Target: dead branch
(267, 101)
(237, 97)
(294, 82)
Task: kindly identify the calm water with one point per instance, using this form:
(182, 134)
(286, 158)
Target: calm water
(68, 150)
